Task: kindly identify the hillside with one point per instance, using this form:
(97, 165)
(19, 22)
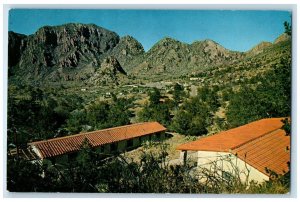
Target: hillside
(61, 52)
(76, 52)
(256, 62)
(77, 78)
(174, 58)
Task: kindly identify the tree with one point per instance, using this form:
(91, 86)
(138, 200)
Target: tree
(23, 176)
(286, 126)
(155, 110)
(154, 96)
(181, 122)
(178, 93)
(271, 98)
(287, 28)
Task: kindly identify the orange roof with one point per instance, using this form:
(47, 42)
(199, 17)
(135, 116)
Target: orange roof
(230, 139)
(263, 142)
(270, 151)
(63, 145)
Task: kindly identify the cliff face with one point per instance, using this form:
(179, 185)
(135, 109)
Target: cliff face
(16, 46)
(61, 49)
(110, 72)
(89, 53)
(127, 50)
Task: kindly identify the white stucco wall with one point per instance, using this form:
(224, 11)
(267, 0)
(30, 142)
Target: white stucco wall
(37, 151)
(230, 163)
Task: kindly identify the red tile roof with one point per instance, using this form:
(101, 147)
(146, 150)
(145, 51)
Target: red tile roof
(263, 143)
(230, 139)
(68, 144)
(270, 151)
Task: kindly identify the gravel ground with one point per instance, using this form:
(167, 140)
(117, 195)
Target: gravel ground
(170, 147)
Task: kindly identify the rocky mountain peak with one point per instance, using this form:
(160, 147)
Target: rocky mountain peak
(110, 72)
(127, 49)
(71, 46)
(87, 52)
(111, 65)
(16, 46)
(282, 37)
(259, 47)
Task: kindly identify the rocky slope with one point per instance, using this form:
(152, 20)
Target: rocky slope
(110, 71)
(127, 50)
(92, 54)
(175, 58)
(60, 51)
(16, 45)
(256, 63)
(281, 38)
(259, 48)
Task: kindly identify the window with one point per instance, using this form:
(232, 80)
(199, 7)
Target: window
(158, 136)
(113, 147)
(130, 143)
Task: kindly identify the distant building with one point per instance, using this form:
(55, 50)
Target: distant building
(106, 141)
(252, 148)
(195, 78)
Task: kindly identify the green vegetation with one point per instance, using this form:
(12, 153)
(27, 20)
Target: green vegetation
(178, 93)
(36, 114)
(271, 98)
(100, 115)
(151, 174)
(155, 110)
(196, 113)
(288, 28)
(81, 90)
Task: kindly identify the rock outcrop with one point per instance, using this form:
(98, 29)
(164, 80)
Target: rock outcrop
(110, 72)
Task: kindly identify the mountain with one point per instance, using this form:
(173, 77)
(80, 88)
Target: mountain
(16, 45)
(175, 58)
(110, 72)
(127, 50)
(59, 52)
(257, 62)
(259, 48)
(91, 54)
(283, 37)
(166, 54)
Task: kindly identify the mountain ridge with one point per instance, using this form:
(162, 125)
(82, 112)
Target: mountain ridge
(75, 51)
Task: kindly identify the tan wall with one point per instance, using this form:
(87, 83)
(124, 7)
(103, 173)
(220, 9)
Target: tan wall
(231, 164)
(37, 151)
(189, 157)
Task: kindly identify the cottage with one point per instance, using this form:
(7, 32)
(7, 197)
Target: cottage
(106, 141)
(252, 148)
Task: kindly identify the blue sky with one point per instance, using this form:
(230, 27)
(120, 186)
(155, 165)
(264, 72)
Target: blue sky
(235, 30)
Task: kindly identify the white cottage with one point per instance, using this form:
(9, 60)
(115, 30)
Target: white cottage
(252, 149)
